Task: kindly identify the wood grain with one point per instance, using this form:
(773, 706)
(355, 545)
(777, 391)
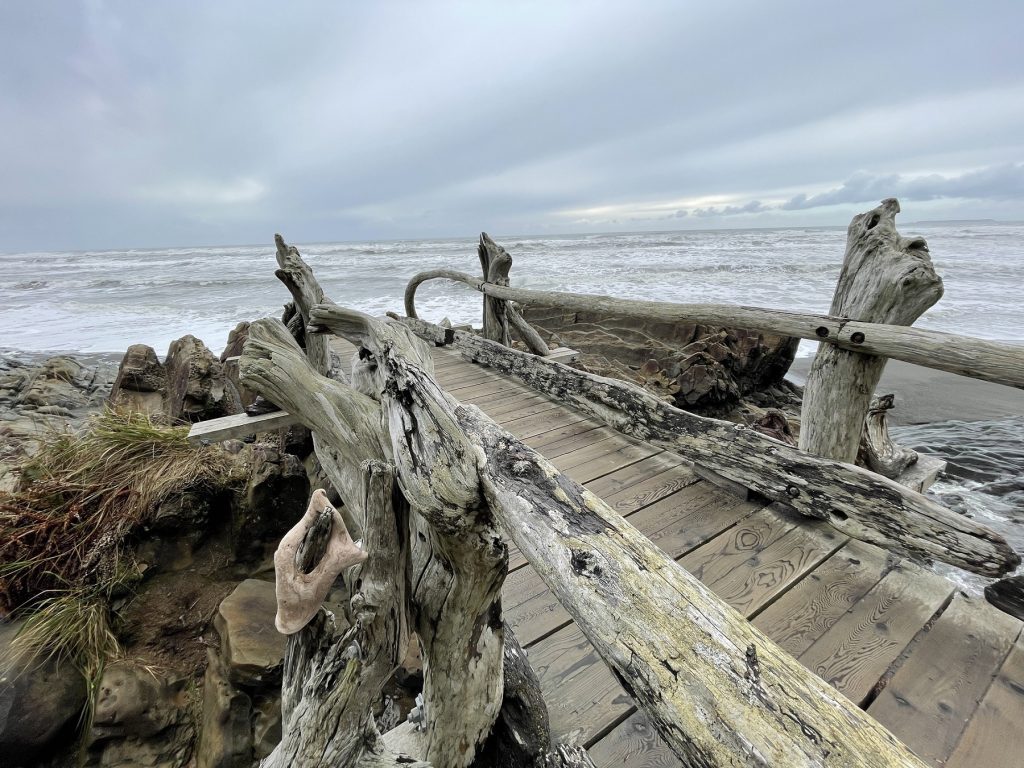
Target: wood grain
(936, 691)
(811, 607)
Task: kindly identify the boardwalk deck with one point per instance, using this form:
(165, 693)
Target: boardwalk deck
(942, 671)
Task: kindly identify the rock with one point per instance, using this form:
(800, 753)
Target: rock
(236, 340)
(251, 647)
(135, 702)
(40, 703)
(704, 369)
(225, 738)
(197, 388)
(141, 382)
(266, 726)
(274, 499)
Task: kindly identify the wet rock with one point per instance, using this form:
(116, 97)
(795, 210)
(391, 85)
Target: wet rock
(197, 389)
(225, 738)
(1007, 595)
(40, 703)
(251, 647)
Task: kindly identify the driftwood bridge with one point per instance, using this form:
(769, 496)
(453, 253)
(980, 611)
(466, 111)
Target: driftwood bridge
(597, 577)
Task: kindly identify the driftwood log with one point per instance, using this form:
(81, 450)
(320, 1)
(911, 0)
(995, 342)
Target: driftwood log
(435, 563)
(886, 278)
(980, 359)
(719, 691)
(854, 501)
(495, 263)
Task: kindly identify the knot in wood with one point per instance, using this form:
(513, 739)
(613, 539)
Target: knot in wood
(520, 468)
(793, 491)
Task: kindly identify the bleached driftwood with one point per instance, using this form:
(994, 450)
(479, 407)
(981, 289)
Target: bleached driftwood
(881, 454)
(963, 355)
(300, 593)
(495, 263)
(887, 279)
(306, 292)
(856, 502)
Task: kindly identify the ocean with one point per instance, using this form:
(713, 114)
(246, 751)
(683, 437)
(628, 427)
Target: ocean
(99, 302)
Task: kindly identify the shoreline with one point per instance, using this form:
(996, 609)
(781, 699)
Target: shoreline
(924, 395)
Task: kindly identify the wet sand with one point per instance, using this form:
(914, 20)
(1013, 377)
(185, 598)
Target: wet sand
(924, 395)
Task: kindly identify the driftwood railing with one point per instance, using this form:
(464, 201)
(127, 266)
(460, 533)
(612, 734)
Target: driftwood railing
(887, 281)
(436, 487)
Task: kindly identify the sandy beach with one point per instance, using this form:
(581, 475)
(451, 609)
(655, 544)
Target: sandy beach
(924, 395)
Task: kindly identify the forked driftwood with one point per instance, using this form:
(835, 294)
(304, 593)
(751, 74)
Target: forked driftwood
(886, 278)
(881, 454)
(854, 501)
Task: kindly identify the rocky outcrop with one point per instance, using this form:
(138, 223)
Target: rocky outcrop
(39, 702)
(272, 501)
(190, 385)
(225, 736)
(251, 648)
(701, 369)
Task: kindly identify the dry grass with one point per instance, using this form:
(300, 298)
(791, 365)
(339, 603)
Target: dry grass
(84, 493)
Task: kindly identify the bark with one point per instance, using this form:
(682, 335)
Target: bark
(881, 454)
(495, 263)
(855, 501)
(718, 690)
(885, 278)
(993, 361)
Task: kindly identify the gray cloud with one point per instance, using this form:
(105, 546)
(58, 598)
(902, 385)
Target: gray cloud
(157, 124)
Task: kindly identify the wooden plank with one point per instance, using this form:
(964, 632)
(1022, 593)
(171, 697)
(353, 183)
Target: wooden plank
(994, 738)
(237, 426)
(753, 584)
(812, 606)
(551, 442)
(934, 694)
(630, 488)
(716, 559)
(633, 743)
(856, 651)
(523, 426)
(609, 461)
(583, 696)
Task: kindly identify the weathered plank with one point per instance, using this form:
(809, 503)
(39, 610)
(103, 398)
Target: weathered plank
(856, 651)
(935, 693)
(237, 426)
(812, 606)
(994, 738)
(633, 743)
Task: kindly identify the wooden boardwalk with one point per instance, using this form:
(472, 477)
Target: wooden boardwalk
(944, 672)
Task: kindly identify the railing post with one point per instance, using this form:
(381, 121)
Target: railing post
(495, 262)
(886, 278)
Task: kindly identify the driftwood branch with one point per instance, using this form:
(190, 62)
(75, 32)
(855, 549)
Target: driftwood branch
(980, 359)
(306, 292)
(495, 264)
(881, 454)
(857, 502)
(887, 279)
(526, 332)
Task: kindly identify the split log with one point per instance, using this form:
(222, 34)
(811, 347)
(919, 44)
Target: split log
(963, 355)
(887, 279)
(526, 332)
(857, 502)
(495, 263)
(718, 690)
(881, 454)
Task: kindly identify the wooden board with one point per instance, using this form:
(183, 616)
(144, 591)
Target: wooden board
(633, 743)
(936, 691)
(238, 426)
(995, 736)
(810, 608)
(856, 652)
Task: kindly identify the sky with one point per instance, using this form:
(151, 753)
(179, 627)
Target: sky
(149, 124)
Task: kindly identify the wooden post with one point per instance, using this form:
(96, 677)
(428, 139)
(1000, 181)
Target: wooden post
(887, 279)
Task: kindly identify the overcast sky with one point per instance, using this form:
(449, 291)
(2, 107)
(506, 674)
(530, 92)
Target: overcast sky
(132, 124)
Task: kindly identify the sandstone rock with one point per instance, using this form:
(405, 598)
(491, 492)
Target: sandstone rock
(274, 498)
(225, 738)
(39, 704)
(236, 341)
(197, 388)
(135, 702)
(251, 647)
(266, 726)
(712, 368)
